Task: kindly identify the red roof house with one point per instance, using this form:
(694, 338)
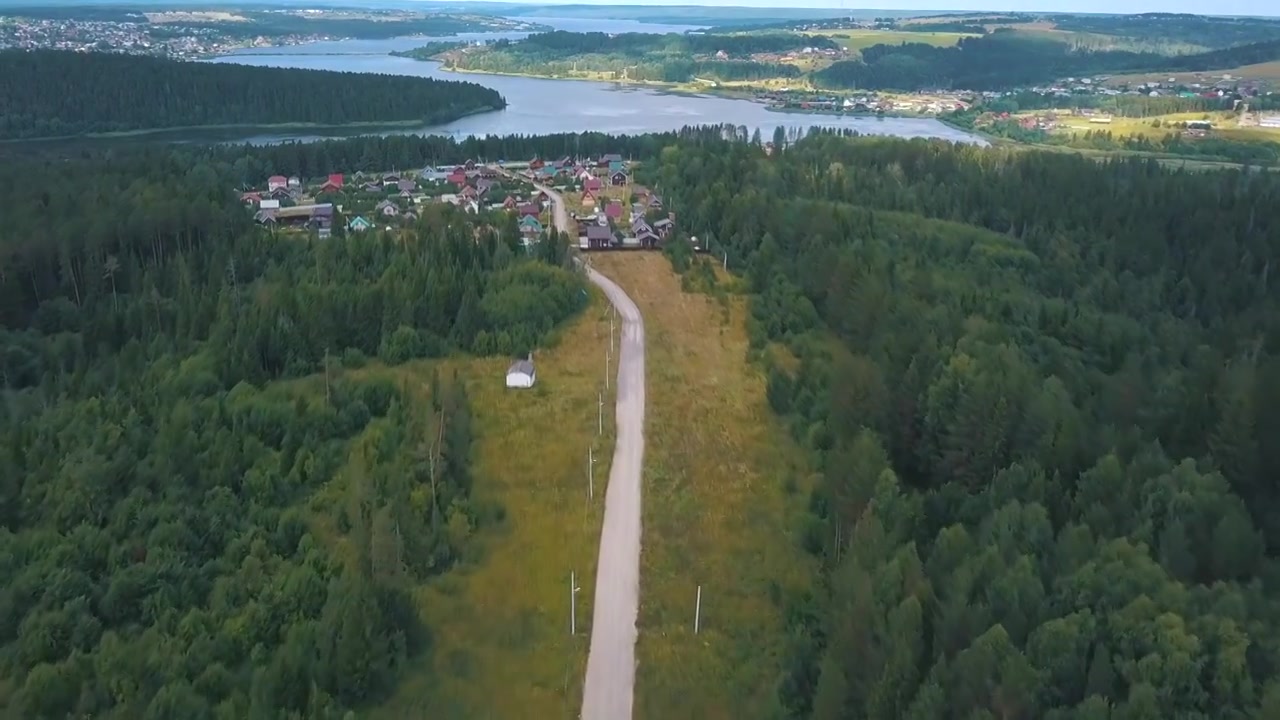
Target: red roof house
(613, 210)
(592, 184)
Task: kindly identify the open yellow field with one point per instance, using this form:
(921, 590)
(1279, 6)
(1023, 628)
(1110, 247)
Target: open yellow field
(858, 40)
(723, 502)
(1225, 125)
(1267, 73)
(500, 645)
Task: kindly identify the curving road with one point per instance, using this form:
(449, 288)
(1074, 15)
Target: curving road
(611, 664)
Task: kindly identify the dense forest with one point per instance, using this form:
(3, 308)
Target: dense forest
(642, 56)
(1039, 388)
(207, 510)
(1007, 59)
(52, 94)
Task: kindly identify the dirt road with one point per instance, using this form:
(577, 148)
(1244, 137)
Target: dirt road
(611, 660)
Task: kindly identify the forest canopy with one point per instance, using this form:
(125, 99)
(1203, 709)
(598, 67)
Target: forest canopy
(52, 94)
(1007, 59)
(1039, 388)
(207, 511)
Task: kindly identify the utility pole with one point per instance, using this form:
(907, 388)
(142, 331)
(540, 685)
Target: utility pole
(606, 367)
(600, 413)
(697, 611)
(591, 473)
(573, 604)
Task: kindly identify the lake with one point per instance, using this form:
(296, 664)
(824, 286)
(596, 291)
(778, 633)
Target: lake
(540, 107)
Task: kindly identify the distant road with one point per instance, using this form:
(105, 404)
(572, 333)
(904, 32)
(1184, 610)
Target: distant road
(611, 661)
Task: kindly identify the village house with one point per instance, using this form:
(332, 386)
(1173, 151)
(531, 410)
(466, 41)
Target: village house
(530, 209)
(664, 227)
(457, 177)
(386, 208)
(529, 225)
(358, 224)
(592, 184)
(333, 184)
(599, 238)
(511, 203)
(406, 186)
(277, 182)
(294, 182)
(250, 198)
(613, 210)
(269, 205)
(588, 198)
(618, 179)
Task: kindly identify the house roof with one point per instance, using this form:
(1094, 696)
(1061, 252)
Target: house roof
(599, 232)
(521, 366)
(664, 222)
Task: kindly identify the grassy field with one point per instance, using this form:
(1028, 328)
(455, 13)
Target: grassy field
(722, 506)
(500, 645)
(858, 40)
(1224, 125)
(1264, 73)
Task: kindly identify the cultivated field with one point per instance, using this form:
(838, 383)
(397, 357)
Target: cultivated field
(723, 503)
(1264, 73)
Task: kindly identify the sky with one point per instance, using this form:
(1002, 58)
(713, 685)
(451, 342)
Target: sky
(1220, 7)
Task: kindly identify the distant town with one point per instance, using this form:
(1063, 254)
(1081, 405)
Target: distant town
(193, 34)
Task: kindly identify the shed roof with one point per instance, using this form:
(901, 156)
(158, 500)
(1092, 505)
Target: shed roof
(521, 366)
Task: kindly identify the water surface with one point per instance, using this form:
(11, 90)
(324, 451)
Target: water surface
(539, 106)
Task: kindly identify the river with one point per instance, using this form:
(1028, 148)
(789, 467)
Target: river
(540, 106)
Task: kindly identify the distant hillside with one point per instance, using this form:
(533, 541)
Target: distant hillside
(1006, 59)
(52, 94)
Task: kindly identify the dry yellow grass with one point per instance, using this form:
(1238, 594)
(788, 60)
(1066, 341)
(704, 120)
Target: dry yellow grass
(717, 510)
(859, 40)
(500, 644)
(1266, 73)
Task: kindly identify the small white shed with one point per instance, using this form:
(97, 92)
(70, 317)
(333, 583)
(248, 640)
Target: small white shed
(521, 374)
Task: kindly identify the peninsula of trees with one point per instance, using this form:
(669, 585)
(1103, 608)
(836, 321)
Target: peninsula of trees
(1040, 390)
(670, 58)
(55, 94)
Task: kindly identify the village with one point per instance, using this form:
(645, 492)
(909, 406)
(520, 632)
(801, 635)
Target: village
(606, 208)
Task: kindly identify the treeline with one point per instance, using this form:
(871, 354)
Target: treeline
(428, 51)
(1201, 30)
(182, 535)
(1006, 59)
(1119, 105)
(948, 27)
(1036, 385)
(597, 43)
(251, 165)
(52, 94)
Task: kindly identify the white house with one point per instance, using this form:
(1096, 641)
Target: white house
(269, 205)
(521, 374)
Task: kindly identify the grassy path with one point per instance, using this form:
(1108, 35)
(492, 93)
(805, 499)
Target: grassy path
(718, 511)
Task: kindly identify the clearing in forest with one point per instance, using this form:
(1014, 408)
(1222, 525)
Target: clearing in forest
(499, 622)
(723, 506)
